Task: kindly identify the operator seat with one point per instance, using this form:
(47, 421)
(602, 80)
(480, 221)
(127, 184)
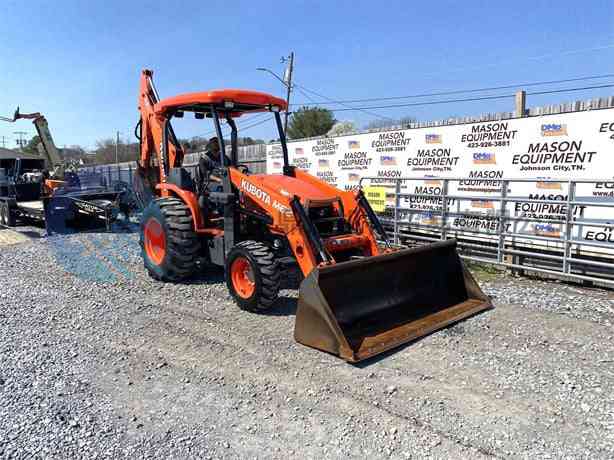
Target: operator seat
(181, 178)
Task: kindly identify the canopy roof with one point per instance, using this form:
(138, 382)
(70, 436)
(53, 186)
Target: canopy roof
(243, 101)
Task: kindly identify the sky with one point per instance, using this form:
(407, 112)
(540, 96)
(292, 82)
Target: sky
(79, 62)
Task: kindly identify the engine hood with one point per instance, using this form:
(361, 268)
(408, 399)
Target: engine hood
(291, 186)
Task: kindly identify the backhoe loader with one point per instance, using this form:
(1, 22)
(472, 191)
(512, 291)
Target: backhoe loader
(359, 296)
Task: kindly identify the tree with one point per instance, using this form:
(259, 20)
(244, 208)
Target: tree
(310, 122)
(73, 152)
(104, 152)
(32, 145)
(249, 141)
(342, 127)
(390, 123)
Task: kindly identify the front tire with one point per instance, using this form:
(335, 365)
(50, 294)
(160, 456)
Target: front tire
(169, 244)
(252, 276)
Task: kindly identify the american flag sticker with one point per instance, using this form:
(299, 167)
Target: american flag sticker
(353, 145)
(484, 158)
(388, 160)
(432, 138)
(554, 129)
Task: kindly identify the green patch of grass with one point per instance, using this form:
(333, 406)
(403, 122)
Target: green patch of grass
(484, 272)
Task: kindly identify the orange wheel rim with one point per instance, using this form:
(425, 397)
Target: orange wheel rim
(242, 277)
(155, 241)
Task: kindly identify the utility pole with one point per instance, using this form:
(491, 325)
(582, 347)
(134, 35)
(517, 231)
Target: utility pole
(521, 103)
(117, 148)
(288, 81)
(3, 142)
(21, 142)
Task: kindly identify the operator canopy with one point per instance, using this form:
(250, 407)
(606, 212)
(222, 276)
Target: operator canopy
(237, 100)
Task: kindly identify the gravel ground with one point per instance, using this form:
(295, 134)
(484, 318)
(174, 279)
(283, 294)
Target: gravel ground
(99, 361)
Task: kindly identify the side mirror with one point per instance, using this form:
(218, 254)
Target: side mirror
(199, 115)
(179, 114)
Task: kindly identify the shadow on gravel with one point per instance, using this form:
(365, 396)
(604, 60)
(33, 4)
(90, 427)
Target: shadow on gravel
(206, 276)
(285, 306)
(123, 226)
(453, 330)
(30, 234)
(377, 358)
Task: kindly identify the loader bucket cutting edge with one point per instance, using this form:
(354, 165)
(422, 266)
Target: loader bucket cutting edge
(359, 309)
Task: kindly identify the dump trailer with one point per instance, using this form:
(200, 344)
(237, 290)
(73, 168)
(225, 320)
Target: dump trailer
(358, 297)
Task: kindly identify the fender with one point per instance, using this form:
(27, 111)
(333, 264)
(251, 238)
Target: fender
(189, 199)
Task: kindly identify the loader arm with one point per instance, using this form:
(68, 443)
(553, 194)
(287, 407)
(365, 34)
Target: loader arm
(289, 218)
(284, 221)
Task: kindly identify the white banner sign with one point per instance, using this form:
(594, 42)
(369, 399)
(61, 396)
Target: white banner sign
(577, 145)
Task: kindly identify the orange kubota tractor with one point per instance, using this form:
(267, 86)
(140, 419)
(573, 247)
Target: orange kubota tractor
(359, 297)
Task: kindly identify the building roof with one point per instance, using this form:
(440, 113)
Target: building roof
(7, 154)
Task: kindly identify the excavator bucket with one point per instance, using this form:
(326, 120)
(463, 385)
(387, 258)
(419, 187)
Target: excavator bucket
(361, 308)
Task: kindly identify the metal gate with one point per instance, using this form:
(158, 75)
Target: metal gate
(573, 241)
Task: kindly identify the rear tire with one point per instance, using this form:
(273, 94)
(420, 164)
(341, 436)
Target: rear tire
(169, 244)
(252, 276)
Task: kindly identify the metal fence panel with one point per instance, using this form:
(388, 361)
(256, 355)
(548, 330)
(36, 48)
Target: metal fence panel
(577, 251)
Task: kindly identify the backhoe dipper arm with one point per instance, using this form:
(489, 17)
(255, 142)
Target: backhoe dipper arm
(158, 140)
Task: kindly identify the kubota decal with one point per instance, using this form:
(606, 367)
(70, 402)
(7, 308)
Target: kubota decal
(255, 191)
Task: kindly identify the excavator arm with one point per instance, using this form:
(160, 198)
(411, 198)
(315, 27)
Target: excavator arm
(51, 153)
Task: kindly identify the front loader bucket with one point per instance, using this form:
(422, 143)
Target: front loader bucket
(361, 308)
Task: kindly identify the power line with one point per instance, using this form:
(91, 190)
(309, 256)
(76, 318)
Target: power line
(373, 114)
(553, 91)
(246, 127)
(446, 101)
(21, 142)
(314, 102)
(239, 124)
(472, 99)
(475, 90)
(243, 127)
(499, 63)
